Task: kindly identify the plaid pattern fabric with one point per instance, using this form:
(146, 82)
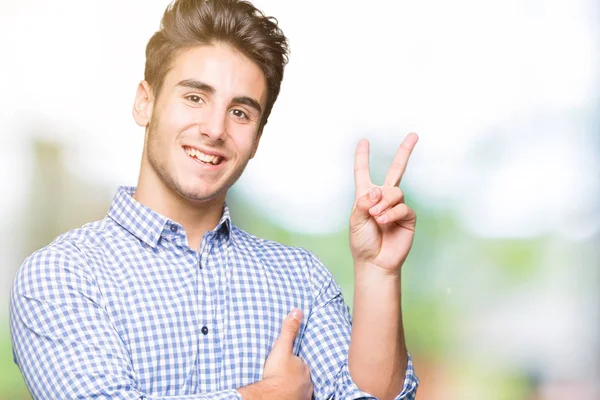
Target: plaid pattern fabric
(122, 308)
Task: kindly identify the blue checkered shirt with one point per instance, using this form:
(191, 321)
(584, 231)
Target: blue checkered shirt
(123, 308)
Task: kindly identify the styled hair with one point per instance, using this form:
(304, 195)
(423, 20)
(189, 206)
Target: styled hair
(236, 23)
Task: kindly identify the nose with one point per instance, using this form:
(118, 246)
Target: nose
(213, 124)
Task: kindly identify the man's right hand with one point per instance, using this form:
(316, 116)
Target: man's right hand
(285, 375)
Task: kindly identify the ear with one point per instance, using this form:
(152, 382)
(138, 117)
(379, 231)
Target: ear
(143, 104)
(256, 141)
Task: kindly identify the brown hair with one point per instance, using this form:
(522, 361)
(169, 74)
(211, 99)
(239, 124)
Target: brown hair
(237, 23)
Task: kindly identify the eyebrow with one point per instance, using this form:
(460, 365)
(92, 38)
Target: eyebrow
(205, 87)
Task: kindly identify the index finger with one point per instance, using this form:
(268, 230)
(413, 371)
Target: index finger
(362, 176)
(400, 161)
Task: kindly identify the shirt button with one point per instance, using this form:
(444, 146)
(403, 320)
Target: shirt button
(204, 330)
(173, 228)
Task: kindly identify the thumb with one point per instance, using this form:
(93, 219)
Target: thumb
(289, 331)
(360, 213)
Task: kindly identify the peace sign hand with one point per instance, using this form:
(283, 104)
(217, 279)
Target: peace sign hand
(382, 227)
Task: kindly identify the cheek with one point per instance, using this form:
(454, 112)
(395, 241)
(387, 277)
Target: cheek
(181, 115)
(243, 137)
(174, 118)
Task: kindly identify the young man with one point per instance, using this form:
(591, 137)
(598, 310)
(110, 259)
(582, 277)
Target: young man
(165, 298)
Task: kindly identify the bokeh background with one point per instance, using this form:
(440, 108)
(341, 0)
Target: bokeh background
(501, 290)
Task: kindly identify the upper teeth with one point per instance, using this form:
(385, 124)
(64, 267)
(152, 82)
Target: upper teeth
(201, 156)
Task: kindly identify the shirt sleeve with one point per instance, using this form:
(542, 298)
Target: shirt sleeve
(63, 340)
(326, 340)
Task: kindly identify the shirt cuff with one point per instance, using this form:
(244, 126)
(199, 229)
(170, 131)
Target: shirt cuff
(230, 394)
(347, 389)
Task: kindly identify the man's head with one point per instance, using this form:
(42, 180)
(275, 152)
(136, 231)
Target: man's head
(190, 23)
(212, 74)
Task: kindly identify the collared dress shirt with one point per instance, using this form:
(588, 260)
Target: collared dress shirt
(123, 308)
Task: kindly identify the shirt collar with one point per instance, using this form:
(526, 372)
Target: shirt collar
(147, 224)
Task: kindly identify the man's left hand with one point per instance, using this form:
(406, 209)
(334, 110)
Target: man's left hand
(382, 226)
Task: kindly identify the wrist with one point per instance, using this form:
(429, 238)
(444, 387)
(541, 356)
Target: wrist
(366, 270)
(253, 391)
(263, 389)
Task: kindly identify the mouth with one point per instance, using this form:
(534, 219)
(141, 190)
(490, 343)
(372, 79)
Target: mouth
(207, 159)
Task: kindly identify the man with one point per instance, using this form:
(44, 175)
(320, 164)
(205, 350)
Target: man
(165, 298)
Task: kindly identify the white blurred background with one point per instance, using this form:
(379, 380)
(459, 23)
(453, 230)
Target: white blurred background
(502, 296)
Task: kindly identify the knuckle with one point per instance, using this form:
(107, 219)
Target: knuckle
(396, 192)
(397, 164)
(289, 329)
(290, 326)
(306, 369)
(393, 194)
(399, 210)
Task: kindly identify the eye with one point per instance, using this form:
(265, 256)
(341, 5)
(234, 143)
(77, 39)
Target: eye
(239, 113)
(194, 98)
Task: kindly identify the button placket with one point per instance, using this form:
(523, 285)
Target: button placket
(204, 308)
(206, 302)
(204, 256)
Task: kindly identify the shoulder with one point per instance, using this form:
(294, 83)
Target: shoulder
(64, 260)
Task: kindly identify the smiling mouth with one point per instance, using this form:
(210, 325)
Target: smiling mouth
(203, 158)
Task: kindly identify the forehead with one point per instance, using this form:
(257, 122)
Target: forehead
(229, 72)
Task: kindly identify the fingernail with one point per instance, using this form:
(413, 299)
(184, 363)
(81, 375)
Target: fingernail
(373, 194)
(296, 314)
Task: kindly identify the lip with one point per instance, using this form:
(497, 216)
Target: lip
(205, 151)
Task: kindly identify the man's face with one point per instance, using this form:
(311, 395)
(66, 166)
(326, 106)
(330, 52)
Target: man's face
(204, 125)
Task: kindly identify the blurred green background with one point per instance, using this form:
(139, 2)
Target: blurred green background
(502, 287)
(465, 297)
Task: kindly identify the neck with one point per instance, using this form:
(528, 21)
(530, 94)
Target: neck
(196, 217)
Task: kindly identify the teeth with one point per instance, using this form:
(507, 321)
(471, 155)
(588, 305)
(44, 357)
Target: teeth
(203, 157)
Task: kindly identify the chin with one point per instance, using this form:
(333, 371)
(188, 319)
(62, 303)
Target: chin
(198, 194)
